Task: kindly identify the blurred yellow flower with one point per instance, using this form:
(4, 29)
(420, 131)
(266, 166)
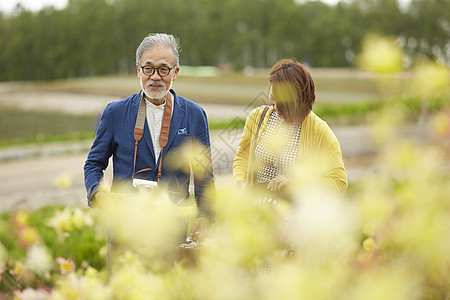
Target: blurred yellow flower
(401, 212)
(383, 126)
(19, 269)
(3, 256)
(69, 218)
(147, 223)
(219, 279)
(380, 55)
(431, 78)
(129, 260)
(132, 282)
(81, 218)
(103, 252)
(392, 282)
(21, 218)
(66, 266)
(369, 229)
(440, 124)
(251, 229)
(369, 244)
(63, 180)
(194, 152)
(403, 155)
(74, 287)
(28, 236)
(91, 272)
(377, 206)
(62, 220)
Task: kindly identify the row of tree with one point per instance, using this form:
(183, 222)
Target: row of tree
(93, 37)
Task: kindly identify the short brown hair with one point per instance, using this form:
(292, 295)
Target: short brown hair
(292, 89)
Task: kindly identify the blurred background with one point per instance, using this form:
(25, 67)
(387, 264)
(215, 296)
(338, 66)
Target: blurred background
(61, 62)
(381, 71)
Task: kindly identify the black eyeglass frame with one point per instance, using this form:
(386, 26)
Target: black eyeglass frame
(157, 69)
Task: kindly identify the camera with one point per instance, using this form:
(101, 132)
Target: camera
(142, 183)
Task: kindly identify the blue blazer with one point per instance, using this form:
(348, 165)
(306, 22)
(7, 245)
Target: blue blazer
(115, 138)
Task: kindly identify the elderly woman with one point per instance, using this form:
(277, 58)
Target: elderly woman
(287, 135)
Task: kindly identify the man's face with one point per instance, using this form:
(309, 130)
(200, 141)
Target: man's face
(156, 86)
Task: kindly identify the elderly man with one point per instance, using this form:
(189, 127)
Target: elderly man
(142, 132)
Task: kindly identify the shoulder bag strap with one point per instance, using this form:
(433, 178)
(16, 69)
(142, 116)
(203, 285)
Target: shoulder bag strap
(261, 119)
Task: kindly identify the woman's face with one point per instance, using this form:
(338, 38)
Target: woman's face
(281, 115)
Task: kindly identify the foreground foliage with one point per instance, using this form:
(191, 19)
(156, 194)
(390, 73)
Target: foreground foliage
(384, 239)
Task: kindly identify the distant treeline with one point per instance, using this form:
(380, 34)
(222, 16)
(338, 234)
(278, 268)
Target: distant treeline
(94, 37)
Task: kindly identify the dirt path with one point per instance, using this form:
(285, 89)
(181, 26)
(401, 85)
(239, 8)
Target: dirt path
(32, 183)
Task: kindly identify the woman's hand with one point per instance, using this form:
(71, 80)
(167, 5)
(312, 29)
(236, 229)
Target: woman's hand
(277, 183)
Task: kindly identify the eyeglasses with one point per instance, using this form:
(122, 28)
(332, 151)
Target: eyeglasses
(162, 71)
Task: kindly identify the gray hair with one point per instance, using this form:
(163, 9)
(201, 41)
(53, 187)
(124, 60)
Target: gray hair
(158, 39)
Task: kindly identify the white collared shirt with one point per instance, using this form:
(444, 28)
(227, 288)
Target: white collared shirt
(154, 121)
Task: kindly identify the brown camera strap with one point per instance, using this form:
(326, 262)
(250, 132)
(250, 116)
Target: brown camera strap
(164, 134)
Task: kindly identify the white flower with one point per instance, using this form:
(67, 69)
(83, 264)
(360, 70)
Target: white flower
(30, 294)
(61, 221)
(39, 259)
(322, 219)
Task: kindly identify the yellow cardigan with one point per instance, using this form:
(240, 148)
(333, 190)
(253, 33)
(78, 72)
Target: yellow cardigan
(319, 153)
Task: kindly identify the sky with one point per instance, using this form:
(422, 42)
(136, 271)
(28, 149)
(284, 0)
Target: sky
(35, 5)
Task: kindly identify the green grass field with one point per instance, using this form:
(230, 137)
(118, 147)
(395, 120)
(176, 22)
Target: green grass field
(24, 127)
